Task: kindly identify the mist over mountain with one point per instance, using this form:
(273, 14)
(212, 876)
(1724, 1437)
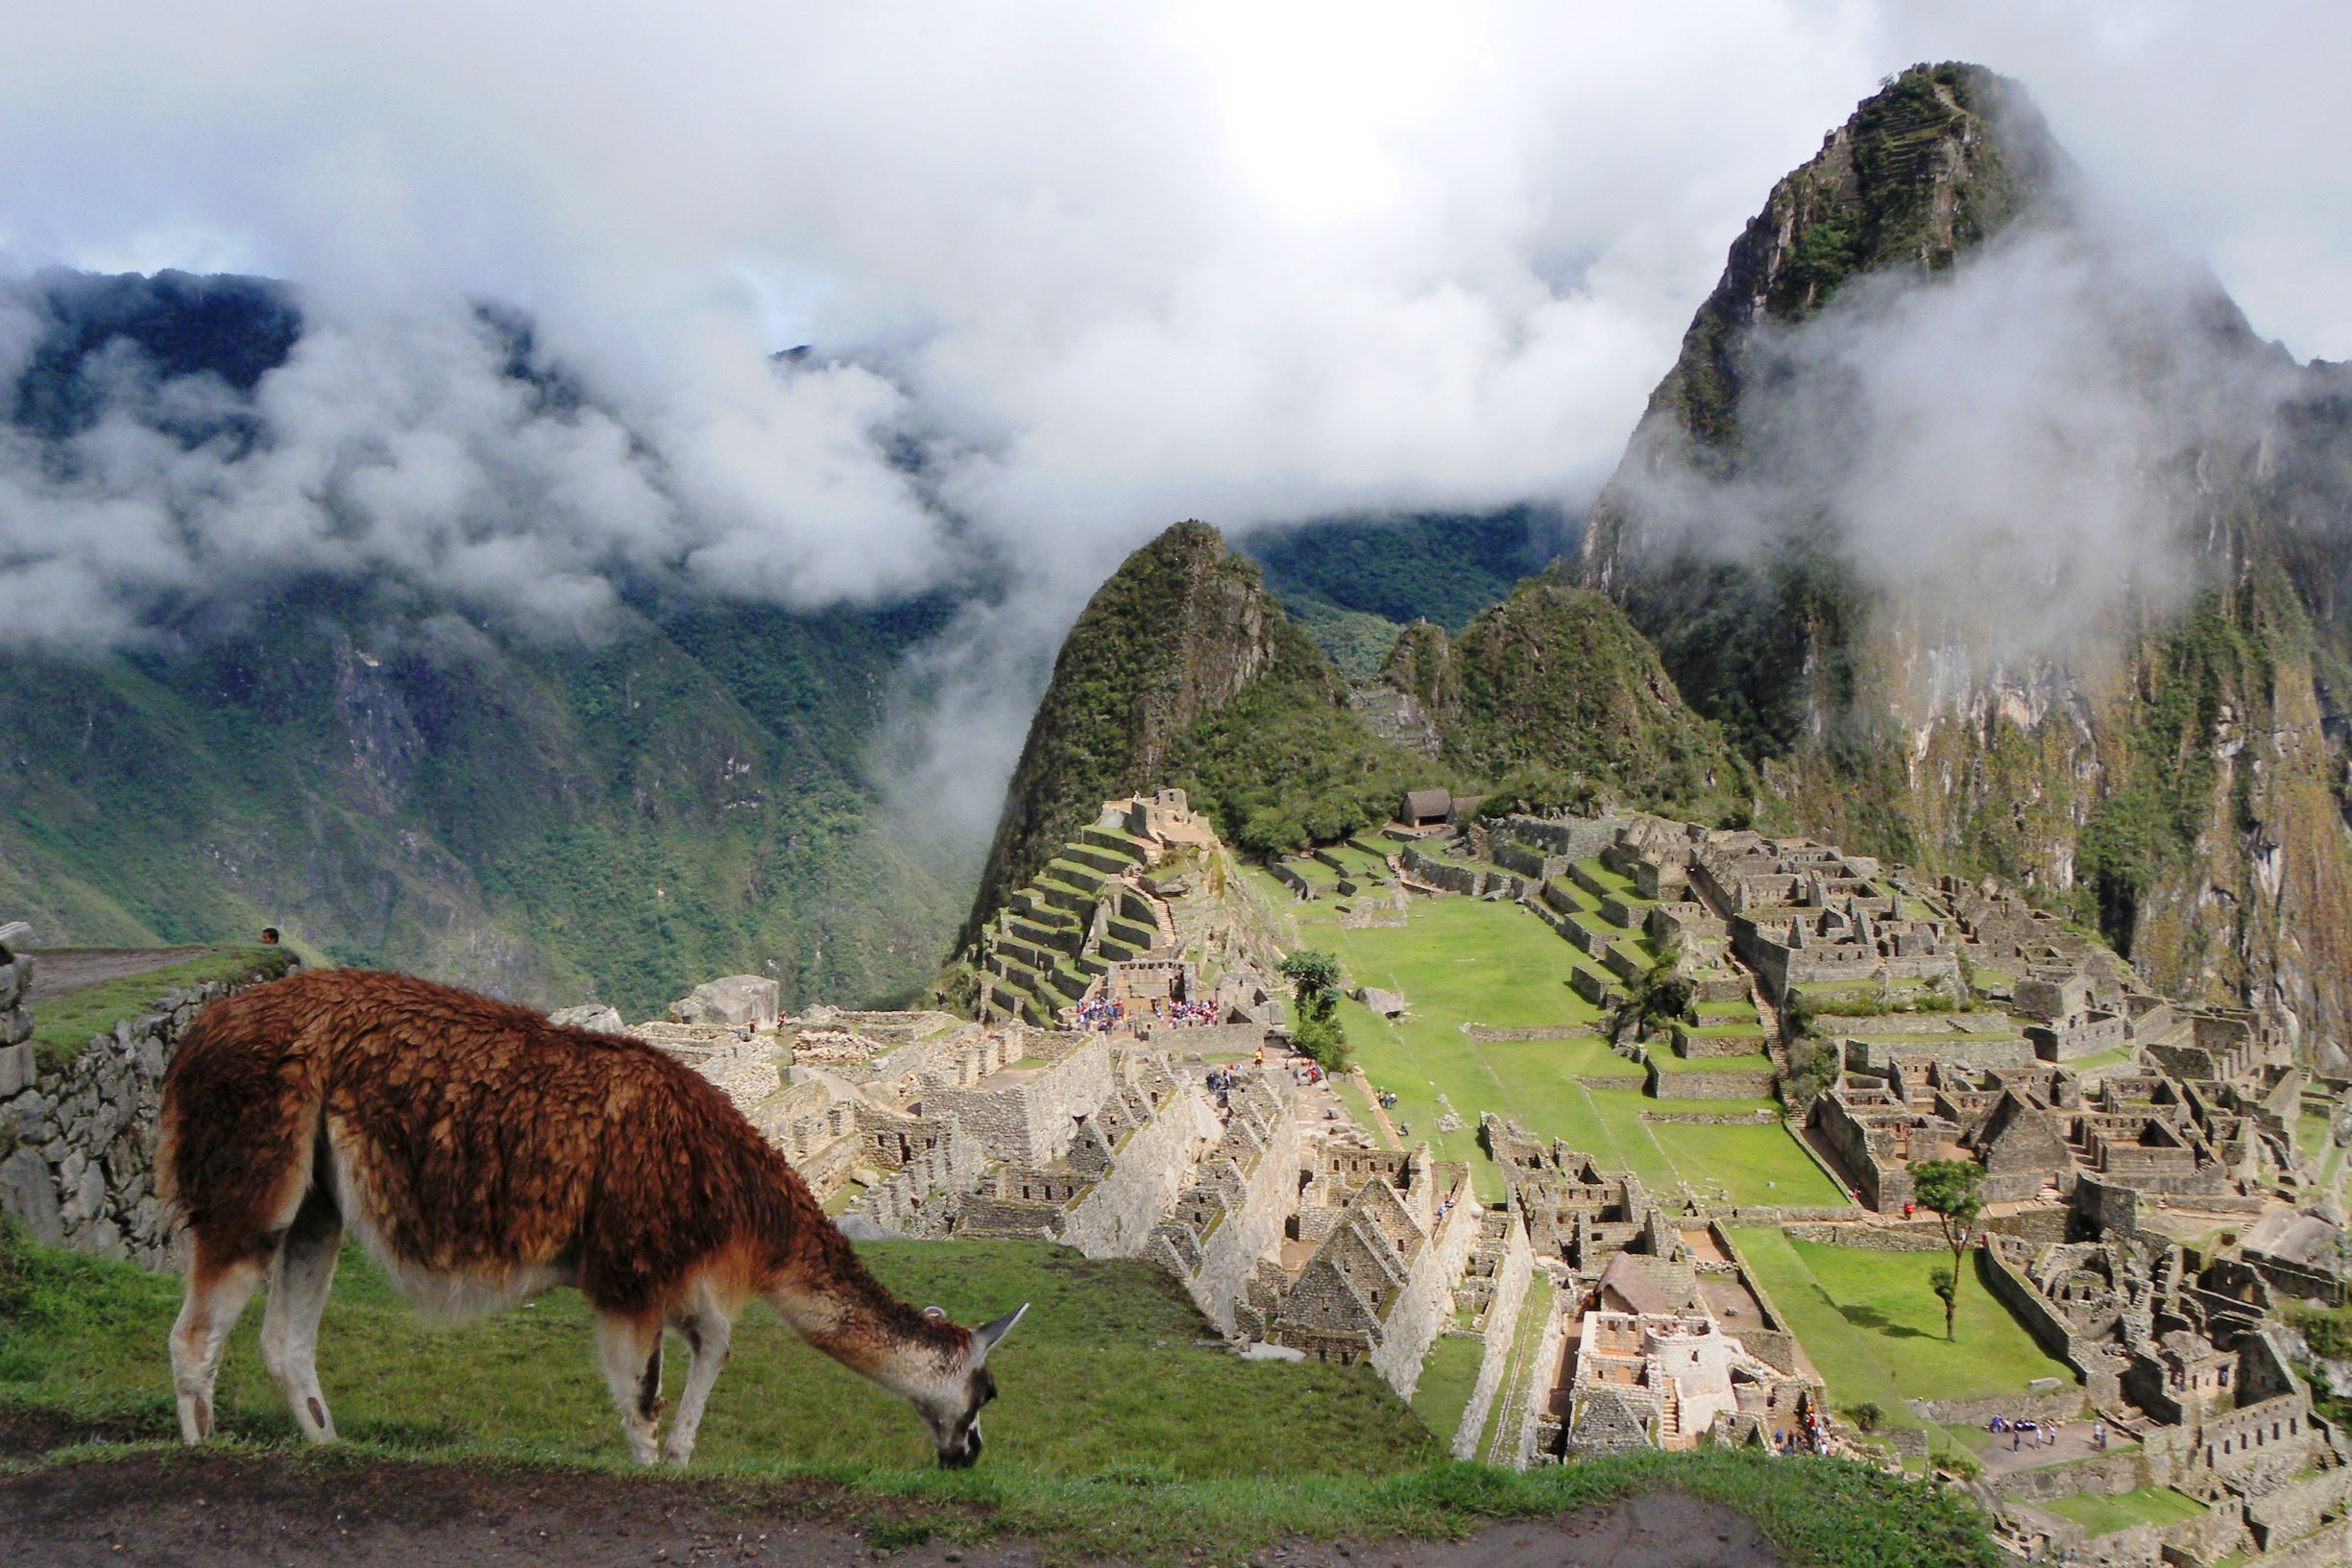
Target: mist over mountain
(1995, 535)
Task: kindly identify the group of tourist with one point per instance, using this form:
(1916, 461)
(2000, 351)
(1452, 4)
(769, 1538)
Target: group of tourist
(1306, 1071)
(2044, 1433)
(1807, 1437)
(1220, 1084)
(1103, 1014)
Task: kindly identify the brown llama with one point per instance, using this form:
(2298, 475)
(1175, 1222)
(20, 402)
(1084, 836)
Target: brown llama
(482, 1155)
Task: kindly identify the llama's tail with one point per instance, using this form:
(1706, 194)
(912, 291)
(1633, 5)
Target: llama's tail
(242, 1115)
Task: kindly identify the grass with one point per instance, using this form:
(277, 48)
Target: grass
(2141, 1505)
(64, 1025)
(1360, 1109)
(1306, 1455)
(1463, 960)
(1106, 1367)
(1448, 1378)
(1510, 1406)
(1875, 1331)
(1755, 1165)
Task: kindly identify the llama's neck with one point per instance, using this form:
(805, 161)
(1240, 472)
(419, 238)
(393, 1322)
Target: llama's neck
(823, 1291)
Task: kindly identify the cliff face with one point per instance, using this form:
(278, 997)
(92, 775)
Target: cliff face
(2144, 720)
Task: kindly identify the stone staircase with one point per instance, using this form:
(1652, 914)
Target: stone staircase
(1059, 934)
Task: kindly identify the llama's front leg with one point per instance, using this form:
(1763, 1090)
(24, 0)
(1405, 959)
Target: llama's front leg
(707, 1337)
(630, 1348)
(216, 1294)
(304, 1273)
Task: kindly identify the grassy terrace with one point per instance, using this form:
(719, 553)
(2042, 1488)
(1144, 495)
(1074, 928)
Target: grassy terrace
(62, 1026)
(1448, 1379)
(1460, 960)
(1875, 1331)
(2141, 1505)
(1116, 1437)
(1754, 1165)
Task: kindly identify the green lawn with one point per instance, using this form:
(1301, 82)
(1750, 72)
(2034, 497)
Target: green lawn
(1757, 1164)
(1510, 1406)
(2141, 1505)
(64, 1025)
(1448, 1379)
(1463, 960)
(1622, 887)
(1875, 1331)
(1105, 1371)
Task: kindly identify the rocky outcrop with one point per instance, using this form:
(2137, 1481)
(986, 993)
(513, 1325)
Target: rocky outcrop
(735, 1000)
(2169, 759)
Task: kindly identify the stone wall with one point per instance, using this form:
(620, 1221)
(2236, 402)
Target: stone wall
(81, 1170)
(1512, 1277)
(1030, 1122)
(1727, 1084)
(1149, 1169)
(16, 1066)
(1425, 1302)
(1255, 1198)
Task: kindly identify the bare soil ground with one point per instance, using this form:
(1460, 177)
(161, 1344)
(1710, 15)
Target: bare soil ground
(203, 1511)
(59, 972)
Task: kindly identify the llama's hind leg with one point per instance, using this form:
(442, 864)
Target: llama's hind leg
(630, 1348)
(217, 1291)
(298, 1282)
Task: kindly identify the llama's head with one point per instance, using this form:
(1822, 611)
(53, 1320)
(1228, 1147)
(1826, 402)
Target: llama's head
(953, 1412)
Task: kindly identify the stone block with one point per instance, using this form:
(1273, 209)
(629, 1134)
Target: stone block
(11, 983)
(27, 1193)
(15, 1023)
(735, 1000)
(17, 1069)
(594, 1015)
(30, 1111)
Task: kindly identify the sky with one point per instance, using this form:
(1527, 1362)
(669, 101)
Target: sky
(1105, 267)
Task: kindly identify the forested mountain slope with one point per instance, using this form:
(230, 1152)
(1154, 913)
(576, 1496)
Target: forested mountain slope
(399, 782)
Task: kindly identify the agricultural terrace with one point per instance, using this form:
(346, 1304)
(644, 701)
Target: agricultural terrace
(1874, 1329)
(1465, 961)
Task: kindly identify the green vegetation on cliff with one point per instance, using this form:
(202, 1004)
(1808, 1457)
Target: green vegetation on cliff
(1555, 680)
(555, 821)
(1182, 670)
(1355, 583)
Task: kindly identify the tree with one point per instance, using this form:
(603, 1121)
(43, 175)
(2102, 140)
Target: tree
(1315, 1004)
(1658, 994)
(1953, 1192)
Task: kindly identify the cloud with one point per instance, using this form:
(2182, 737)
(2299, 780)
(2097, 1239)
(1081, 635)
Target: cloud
(2020, 456)
(1098, 269)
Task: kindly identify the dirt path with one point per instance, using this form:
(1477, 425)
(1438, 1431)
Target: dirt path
(197, 1511)
(59, 972)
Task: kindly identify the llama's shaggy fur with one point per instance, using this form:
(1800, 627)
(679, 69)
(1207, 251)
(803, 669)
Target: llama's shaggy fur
(483, 1154)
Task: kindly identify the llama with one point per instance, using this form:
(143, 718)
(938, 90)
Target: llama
(483, 1155)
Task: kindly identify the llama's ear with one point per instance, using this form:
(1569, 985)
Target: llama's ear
(985, 1337)
(937, 1314)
